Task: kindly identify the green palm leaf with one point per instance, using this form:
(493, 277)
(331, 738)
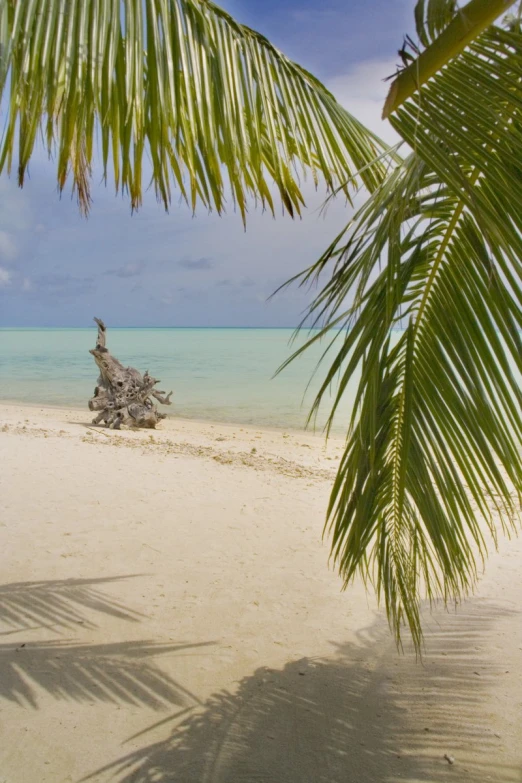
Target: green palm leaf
(206, 98)
(432, 463)
(432, 17)
(447, 29)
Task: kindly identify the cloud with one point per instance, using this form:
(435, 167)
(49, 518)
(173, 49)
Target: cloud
(8, 247)
(65, 284)
(178, 295)
(242, 282)
(127, 270)
(362, 91)
(196, 264)
(5, 277)
(15, 212)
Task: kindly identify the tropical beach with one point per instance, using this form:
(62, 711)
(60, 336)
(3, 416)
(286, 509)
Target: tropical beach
(167, 613)
(260, 391)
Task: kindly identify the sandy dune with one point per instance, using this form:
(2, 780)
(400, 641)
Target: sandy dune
(167, 614)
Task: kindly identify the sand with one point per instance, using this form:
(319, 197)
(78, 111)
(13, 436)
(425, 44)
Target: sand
(167, 613)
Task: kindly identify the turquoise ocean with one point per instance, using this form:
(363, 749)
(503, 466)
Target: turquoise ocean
(224, 375)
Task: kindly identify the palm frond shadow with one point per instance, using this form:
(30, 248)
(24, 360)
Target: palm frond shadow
(122, 672)
(59, 604)
(339, 719)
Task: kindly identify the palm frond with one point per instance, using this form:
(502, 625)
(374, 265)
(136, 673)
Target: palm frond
(466, 25)
(432, 17)
(180, 81)
(427, 283)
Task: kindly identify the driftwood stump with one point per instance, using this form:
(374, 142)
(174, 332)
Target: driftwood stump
(123, 396)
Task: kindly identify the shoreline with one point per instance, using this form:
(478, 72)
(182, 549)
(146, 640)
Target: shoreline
(216, 375)
(306, 432)
(288, 452)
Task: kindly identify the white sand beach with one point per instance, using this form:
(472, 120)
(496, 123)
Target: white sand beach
(167, 613)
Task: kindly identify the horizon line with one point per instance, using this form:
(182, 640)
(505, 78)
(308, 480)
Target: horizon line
(288, 328)
(56, 326)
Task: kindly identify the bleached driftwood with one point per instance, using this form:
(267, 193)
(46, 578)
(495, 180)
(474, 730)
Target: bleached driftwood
(123, 396)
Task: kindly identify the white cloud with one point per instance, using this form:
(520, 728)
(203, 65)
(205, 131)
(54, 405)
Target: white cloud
(15, 207)
(26, 284)
(8, 248)
(362, 91)
(127, 270)
(5, 277)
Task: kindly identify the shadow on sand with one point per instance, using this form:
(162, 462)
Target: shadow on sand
(365, 715)
(57, 604)
(121, 672)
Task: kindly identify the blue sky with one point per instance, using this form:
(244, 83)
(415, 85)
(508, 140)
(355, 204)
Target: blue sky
(58, 269)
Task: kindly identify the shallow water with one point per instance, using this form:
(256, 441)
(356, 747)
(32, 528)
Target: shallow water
(216, 374)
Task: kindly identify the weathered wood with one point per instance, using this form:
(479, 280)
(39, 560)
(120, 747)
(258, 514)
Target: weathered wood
(123, 396)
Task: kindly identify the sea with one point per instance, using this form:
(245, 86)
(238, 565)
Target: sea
(222, 375)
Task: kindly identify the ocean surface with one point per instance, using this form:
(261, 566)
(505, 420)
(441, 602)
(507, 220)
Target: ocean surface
(215, 374)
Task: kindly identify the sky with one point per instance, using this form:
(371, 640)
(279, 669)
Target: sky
(156, 269)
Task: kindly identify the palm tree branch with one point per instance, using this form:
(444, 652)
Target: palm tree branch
(433, 454)
(221, 112)
(466, 26)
